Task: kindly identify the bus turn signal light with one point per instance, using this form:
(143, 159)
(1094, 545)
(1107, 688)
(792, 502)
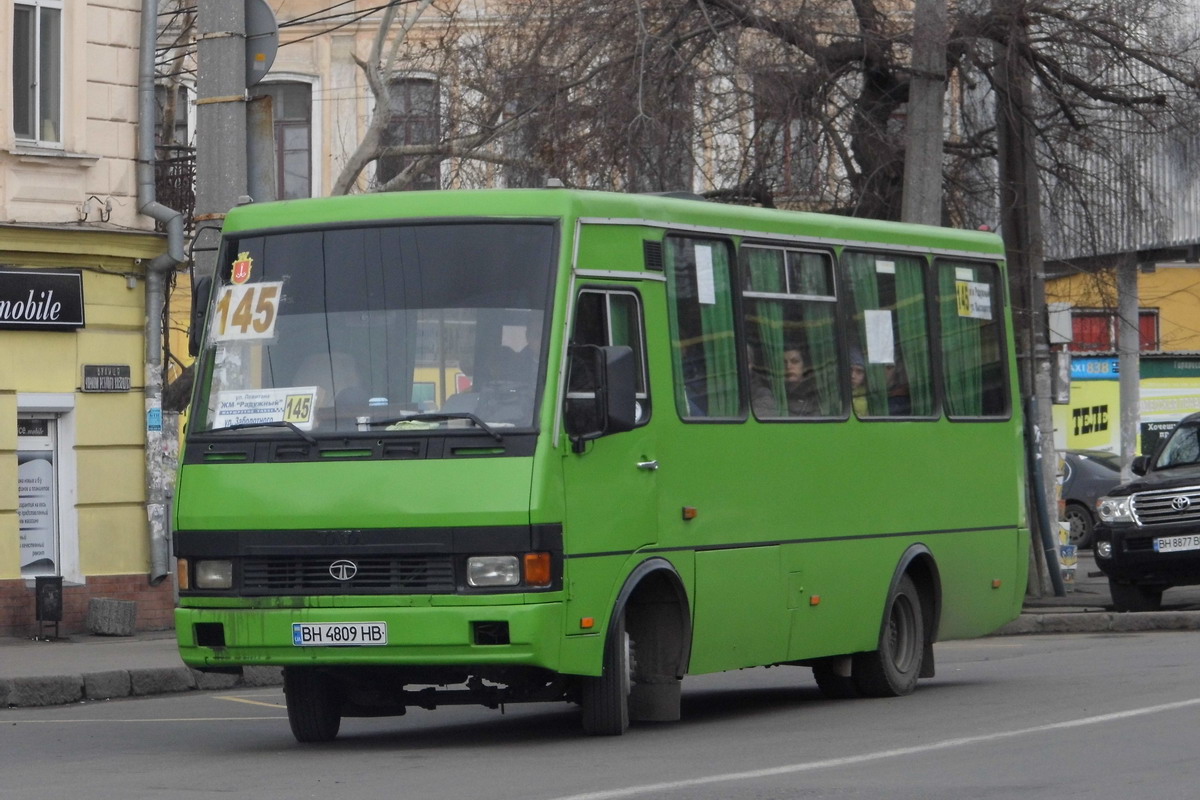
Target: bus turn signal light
(537, 569)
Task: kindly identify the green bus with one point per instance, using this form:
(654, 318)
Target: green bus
(684, 437)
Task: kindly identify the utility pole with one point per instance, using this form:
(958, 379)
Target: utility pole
(1128, 359)
(1021, 224)
(220, 121)
(922, 200)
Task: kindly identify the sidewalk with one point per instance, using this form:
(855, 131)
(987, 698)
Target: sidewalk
(85, 667)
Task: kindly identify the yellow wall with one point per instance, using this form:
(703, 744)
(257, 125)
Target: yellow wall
(109, 443)
(1174, 290)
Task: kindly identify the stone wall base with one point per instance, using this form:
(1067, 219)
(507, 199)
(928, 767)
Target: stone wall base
(155, 609)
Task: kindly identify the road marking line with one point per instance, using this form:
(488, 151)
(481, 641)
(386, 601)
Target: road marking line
(653, 788)
(246, 700)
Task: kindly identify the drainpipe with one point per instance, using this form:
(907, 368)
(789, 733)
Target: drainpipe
(162, 452)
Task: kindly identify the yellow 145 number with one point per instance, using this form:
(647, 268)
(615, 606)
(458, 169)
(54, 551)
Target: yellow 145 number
(247, 311)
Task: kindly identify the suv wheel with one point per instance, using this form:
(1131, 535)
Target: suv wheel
(1135, 597)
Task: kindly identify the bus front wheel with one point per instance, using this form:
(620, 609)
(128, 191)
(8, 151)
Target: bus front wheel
(893, 669)
(313, 706)
(604, 700)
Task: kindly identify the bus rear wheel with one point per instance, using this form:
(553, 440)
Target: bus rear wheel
(893, 669)
(313, 705)
(605, 700)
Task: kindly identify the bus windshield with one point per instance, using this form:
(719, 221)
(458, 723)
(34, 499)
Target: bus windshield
(375, 328)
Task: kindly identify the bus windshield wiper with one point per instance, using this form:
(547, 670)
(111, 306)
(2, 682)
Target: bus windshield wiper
(437, 416)
(272, 424)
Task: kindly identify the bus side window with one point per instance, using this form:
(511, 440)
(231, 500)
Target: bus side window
(790, 321)
(972, 346)
(605, 318)
(703, 339)
(889, 338)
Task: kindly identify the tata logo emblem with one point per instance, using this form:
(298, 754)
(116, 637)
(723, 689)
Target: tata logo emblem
(343, 569)
(1181, 503)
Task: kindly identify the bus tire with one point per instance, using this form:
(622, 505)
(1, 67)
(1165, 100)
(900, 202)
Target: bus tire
(313, 706)
(832, 684)
(893, 669)
(604, 700)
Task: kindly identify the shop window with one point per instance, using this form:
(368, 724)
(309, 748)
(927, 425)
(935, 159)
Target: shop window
(37, 496)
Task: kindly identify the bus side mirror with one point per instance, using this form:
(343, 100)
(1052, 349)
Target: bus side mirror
(601, 392)
(201, 289)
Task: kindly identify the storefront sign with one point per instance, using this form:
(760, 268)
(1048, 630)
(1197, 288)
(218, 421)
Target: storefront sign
(45, 300)
(1094, 369)
(106, 378)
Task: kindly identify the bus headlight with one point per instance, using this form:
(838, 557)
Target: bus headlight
(214, 574)
(1115, 509)
(493, 571)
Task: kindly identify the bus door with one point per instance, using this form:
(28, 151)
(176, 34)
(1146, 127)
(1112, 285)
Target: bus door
(610, 488)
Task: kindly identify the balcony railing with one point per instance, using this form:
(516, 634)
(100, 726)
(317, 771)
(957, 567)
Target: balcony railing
(175, 181)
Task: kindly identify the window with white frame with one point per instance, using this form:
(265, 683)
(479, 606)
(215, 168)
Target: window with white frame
(291, 103)
(37, 71)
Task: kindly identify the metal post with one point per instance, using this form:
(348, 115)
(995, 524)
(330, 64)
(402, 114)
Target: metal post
(220, 118)
(1128, 360)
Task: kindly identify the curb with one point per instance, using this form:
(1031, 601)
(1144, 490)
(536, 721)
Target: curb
(57, 690)
(1102, 622)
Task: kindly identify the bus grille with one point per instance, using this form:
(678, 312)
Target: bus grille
(1167, 506)
(378, 574)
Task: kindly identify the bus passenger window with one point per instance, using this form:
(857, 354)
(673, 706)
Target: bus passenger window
(791, 332)
(703, 343)
(890, 373)
(973, 348)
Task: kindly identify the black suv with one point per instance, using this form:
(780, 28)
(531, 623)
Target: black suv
(1148, 536)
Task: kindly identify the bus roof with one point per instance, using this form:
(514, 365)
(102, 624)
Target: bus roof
(574, 204)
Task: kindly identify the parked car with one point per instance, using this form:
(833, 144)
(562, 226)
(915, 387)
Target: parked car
(1088, 475)
(1148, 536)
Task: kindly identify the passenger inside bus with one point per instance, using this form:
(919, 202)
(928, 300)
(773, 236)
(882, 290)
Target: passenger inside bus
(798, 394)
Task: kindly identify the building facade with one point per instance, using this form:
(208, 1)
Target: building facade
(73, 262)
(1169, 357)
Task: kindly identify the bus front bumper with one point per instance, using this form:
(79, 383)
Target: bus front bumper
(227, 638)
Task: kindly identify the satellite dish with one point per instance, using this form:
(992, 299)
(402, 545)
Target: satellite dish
(262, 40)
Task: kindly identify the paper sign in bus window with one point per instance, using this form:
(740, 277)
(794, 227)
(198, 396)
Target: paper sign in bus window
(706, 289)
(247, 311)
(881, 347)
(293, 404)
(974, 299)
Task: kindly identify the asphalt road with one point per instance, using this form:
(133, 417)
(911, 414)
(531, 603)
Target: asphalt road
(1077, 716)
